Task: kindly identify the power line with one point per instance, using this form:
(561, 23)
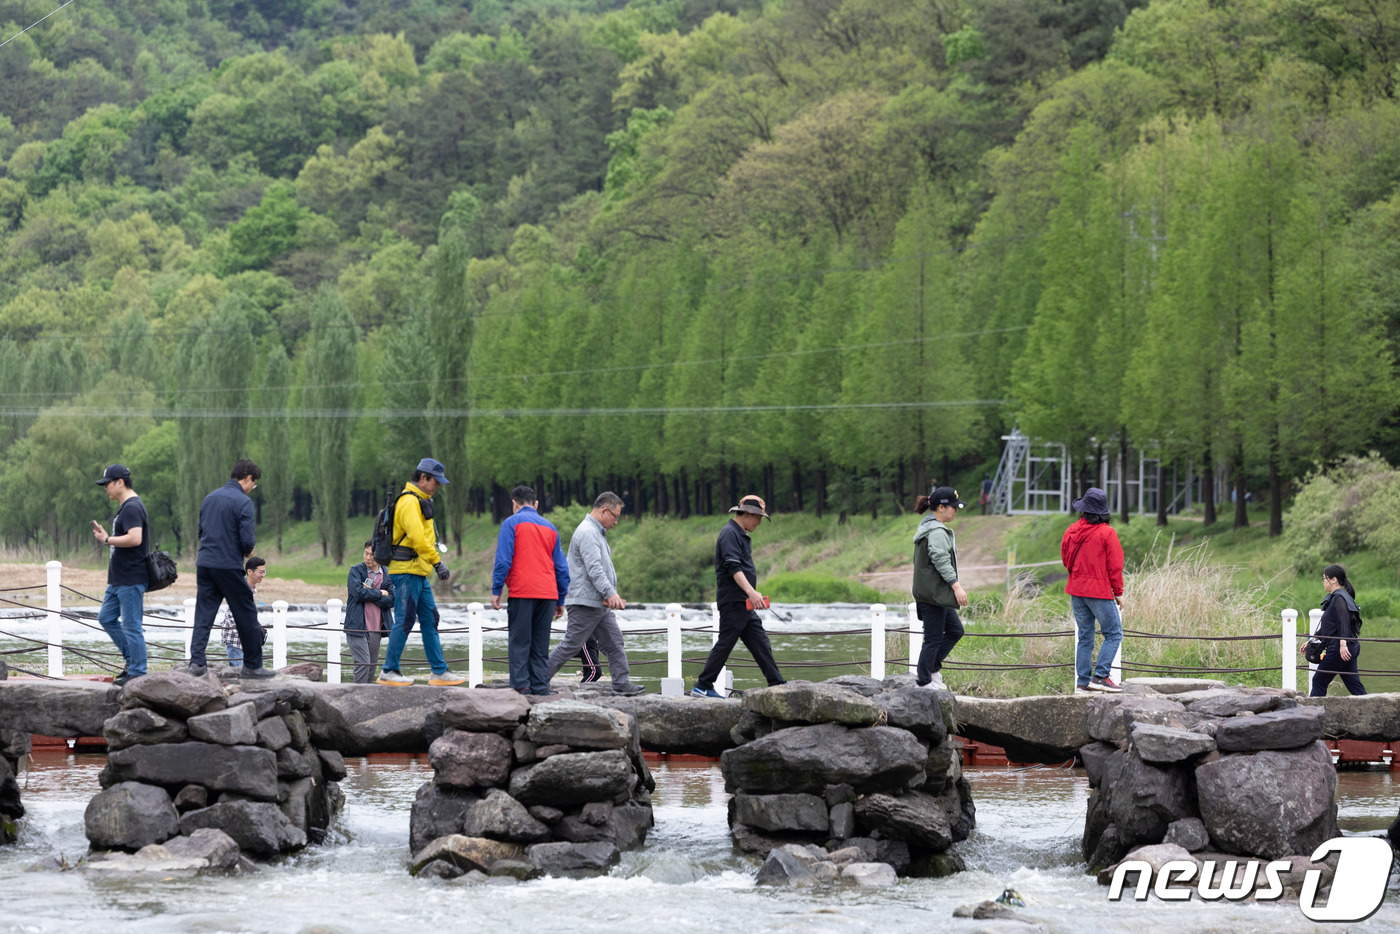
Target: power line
(32, 25)
(590, 371)
(386, 414)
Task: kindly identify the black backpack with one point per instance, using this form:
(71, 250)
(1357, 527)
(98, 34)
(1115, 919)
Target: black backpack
(381, 543)
(160, 567)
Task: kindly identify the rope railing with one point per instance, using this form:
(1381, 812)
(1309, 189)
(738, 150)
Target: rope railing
(881, 625)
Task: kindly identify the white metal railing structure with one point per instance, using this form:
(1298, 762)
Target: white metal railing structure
(189, 627)
(877, 641)
(333, 640)
(476, 669)
(1289, 644)
(673, 685)
(916, 638)
(54, 615)
(54, 602)
(725, 682)
(279, 634)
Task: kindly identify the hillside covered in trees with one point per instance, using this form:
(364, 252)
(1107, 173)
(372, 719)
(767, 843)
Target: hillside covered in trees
(820, 248)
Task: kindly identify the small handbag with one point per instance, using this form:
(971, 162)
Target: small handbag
(1313, 650)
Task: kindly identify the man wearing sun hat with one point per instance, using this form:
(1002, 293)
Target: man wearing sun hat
(736, 594)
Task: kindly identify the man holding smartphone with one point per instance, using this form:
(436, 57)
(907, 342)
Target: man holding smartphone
(125, 600)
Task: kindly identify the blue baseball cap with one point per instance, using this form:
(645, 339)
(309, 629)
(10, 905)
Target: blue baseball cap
(433, 469)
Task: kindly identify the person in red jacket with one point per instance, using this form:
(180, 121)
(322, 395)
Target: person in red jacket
(1094, 558)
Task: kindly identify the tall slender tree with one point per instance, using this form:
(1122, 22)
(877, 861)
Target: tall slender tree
(329, 397)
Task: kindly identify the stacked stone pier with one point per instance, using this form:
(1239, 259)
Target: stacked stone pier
(855, 780)
(556, 787)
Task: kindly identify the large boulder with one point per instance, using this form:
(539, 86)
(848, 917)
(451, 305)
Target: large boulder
(175, 694)
(470, 760)
(574, 778)
(57, 708)
(234, 726)
(625, 825)
(354, 720)
(806, 702)
(864, 685)
(1270, 804)
(914, 709)
(1030, 729)
(1105, 717)
(569, 859)
(258, 827)
(782, 812)
(579, 726)
(808, 758)
(916, 818)
(10, 806)
(130, 815)
(1276, 729)
(501, 817)
(786, 866)
(481, 710)
(142, 727)
(465, 853)
(437, 812)
(1372, 717)
(1163, 745)
(244, 770)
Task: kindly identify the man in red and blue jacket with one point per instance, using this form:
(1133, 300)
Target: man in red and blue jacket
(530, 565)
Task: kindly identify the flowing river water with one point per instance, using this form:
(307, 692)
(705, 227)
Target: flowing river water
(686, 879)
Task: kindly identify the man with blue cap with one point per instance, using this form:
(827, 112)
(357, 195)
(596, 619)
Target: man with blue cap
(415, 557)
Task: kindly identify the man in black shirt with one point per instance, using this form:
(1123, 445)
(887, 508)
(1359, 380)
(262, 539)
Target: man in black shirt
(736, 580)
(125, 600)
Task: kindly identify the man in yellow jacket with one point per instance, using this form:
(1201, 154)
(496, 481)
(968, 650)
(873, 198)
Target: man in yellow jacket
(415, 559)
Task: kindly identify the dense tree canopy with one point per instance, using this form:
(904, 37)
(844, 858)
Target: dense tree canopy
(828, 249)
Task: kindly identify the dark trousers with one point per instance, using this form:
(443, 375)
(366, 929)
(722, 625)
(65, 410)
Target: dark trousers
(213, 585)
(1332, 665)
(527, 622)
(592, 665)
(738, 623)
(942, 630)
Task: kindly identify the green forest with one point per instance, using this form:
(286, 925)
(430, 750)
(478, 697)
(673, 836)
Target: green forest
(822, 249)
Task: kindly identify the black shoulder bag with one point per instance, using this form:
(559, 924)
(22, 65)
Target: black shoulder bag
(160, 567)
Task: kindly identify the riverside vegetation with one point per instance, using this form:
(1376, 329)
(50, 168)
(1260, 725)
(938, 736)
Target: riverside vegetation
(823, 249)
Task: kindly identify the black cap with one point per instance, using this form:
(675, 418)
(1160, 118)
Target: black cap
(114, 472)
(945, 496)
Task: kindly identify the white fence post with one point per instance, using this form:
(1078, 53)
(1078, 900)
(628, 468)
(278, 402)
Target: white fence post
(475, 665)
(877, 641)
(1315, 620)
(333, 606)
(55, 604)
(279, 634)
(673, 685)
(724, 684)
(916, 639)
(1290, 648)
(189, 628)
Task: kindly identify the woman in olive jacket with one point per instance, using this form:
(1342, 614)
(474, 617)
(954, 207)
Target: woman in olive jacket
(369, 598)
(937, 592)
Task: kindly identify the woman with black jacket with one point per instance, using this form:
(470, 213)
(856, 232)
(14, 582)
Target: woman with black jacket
(1338, 630)
(369, 594)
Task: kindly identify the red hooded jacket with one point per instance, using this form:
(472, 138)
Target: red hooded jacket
(1094, 559)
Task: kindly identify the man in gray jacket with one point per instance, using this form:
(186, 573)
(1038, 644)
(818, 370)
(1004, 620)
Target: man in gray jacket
(593, 595)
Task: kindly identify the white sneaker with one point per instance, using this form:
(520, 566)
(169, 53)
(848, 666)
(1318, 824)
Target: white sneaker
(394, 678)
(447, 679)
(935, 683)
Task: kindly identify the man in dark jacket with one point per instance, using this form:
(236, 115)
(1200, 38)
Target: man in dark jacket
(226, 540)
(736, 580)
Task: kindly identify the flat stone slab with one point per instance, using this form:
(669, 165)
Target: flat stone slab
(806, 759)
(357, 719)
(57, 708)
(1163, 744)
(579, 725)
(1030, 729)
(244, 770)
(1169, 685)
(1228, 702)
(806, 702)
(1276, 729)
(1372, 717)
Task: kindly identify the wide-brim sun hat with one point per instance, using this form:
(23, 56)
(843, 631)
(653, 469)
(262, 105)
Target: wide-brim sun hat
(753, 505)
(1093, 501)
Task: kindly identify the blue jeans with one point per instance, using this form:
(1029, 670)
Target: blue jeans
(1086, 611)
(413, 595)
(235, 655)
(122, 607)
